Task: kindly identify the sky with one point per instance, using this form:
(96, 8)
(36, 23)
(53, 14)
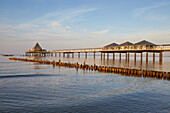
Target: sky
(67, 24)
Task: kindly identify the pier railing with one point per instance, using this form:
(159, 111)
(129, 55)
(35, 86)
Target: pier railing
(78, 50)
(117, 49)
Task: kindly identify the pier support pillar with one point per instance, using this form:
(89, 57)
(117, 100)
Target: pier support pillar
(107, 56)
(72, 55)
(101, 55)
(78, 54)
(94, 55)
(113, 56)
(55, 54)
(135, 57)
(63, 54)
(153, 57)
(146, 57)
(141, 57)
(85, 54)
(68, 55)
(59, 54)
(160, 57)
(51, 54)
(128, 57)
(120, 56)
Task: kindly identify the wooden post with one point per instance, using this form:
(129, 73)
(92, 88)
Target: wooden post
(63, 54)
(72, 55)
(59, 54)
(113, 56)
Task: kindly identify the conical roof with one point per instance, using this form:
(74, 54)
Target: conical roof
(37, 47)
(112, 44)
(144, 42)
(126, 44)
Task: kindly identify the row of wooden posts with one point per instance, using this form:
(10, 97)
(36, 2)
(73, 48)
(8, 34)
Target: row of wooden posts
(123, 71)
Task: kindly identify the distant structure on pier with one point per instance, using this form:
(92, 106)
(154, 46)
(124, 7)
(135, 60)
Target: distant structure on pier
(128, 45)
(36, 51)
(37, 47)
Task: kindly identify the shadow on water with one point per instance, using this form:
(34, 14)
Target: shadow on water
(31, 75)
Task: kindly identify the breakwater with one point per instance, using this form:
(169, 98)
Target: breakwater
(107, 69)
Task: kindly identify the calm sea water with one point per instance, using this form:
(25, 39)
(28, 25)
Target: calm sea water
(30, 87)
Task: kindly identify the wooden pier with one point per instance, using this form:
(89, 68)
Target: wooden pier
(127, 48)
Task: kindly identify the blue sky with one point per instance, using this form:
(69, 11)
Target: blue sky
(62, 24)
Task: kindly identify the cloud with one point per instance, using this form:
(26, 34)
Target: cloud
(54, 23)
(26, 26)
(61, 16)
(17, 28)
(67, 27)
(147, 12)
(101, 32)
(60, 21)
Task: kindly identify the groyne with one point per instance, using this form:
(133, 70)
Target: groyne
(106, 69)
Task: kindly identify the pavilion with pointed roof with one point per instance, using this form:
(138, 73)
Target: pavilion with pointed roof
(129, 45)
(126, 44)
(144, 42)
(36, 51)
(112, 44)
(37, 47)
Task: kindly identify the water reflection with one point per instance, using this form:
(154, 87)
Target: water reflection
(124, 63)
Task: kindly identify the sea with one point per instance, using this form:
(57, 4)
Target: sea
(27, 87)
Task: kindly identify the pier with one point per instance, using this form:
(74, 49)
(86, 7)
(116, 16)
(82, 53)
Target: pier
(126, 48)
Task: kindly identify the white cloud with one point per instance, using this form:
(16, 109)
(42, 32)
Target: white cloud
(26, 26)
(147, 12)
(54, 23)
(17, 28)
(67, 27)
(101, 32)
(62, 16)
